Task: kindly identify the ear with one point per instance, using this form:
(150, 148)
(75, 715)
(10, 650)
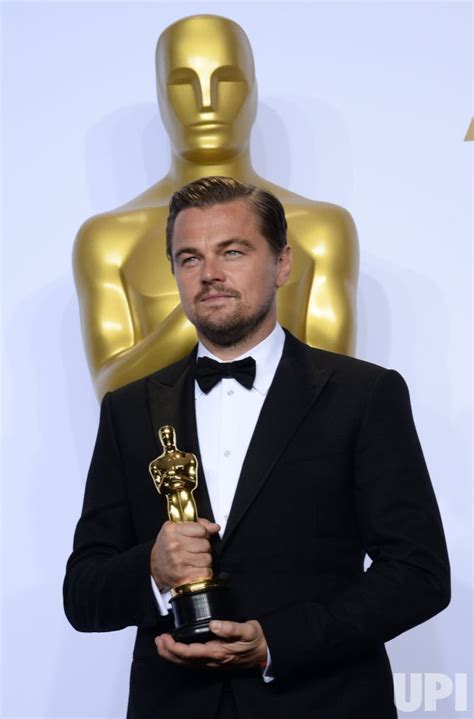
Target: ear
(284, 263)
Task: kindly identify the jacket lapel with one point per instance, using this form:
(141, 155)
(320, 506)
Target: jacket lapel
(171, 401)
(295, 388)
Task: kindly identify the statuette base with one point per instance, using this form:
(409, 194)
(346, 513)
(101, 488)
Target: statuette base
(193, 610)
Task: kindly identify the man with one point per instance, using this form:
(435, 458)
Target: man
(314, 466)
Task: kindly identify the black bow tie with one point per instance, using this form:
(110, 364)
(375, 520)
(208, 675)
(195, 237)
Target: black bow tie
(209, 372)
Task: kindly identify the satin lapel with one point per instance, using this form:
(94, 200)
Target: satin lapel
(296, 386)
(171, 401)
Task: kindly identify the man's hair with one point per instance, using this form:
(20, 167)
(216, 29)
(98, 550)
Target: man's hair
(215, 190)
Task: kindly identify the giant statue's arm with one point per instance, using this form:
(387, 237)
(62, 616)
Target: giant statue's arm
(116, 349)
(330, 238)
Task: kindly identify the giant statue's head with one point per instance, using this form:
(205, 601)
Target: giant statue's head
(206, 85)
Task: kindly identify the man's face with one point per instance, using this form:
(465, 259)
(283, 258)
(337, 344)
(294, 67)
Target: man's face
(226, 272)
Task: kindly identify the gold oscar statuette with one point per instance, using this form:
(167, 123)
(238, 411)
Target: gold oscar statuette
(175, 474)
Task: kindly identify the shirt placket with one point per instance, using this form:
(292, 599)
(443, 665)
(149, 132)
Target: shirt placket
(227, 447)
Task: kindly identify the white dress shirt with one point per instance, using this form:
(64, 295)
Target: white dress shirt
(226, 418)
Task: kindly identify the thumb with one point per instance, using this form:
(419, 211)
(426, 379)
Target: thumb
(227, 630)
(212, 527)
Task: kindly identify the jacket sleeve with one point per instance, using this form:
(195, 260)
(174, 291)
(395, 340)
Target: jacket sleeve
(408, 581)
(107, 584)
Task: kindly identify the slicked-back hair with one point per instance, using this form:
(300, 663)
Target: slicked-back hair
(216, 190)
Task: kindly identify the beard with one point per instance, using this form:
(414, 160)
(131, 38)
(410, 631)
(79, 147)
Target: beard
(232, 329)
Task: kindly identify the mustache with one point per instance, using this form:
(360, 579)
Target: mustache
(216, 289)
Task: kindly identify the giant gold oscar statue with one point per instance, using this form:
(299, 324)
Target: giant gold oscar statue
(132, 321)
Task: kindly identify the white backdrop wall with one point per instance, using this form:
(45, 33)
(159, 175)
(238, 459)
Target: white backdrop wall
(361, 104)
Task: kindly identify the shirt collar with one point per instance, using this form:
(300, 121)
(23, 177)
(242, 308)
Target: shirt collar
(266, 354)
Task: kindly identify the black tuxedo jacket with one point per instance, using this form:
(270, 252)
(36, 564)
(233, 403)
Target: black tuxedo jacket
(334, 471)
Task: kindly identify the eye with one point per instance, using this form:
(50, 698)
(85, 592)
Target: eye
(182, 76)
(232, 253)
(229, 73)
(188, 261)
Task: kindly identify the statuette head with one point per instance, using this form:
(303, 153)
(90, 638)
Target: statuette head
(206, 87)
(167, 436)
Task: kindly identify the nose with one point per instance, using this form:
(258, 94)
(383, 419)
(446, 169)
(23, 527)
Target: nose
(211, 270)
(206, 88)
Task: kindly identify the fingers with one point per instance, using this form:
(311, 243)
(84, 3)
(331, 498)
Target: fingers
(211, 527)
(195, 530)
(201, 528)
(240, 644)
(209, 654)
(197, 560)
(184, 567)
(164, 645)
(192, 530)
(234, 631)
(190, 567)
(199, 546)
(182, 553)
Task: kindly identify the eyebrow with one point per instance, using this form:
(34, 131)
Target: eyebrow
(220, 246)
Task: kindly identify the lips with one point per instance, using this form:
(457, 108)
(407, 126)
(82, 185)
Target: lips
(210, 124)
(215, 293)
(208, 298)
